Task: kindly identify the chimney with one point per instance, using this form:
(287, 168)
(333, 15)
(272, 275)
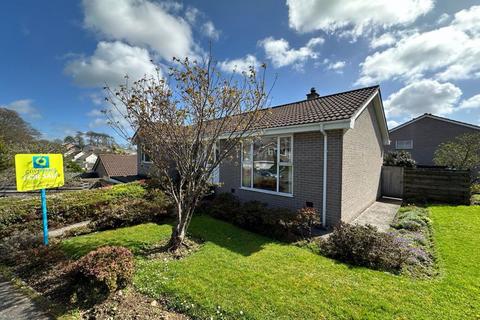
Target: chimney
(313, 94)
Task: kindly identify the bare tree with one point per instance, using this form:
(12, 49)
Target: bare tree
(188, 123)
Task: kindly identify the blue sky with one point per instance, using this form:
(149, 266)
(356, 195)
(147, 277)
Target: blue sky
(56, 55)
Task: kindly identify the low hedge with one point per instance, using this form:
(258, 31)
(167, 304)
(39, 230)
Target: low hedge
(63, 208)
(279, 223)
(365, 246)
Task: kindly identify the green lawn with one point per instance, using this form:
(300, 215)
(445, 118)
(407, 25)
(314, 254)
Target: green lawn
(243, 275)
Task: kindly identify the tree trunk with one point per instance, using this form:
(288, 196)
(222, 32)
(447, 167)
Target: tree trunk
(179, 232)
(177, 238)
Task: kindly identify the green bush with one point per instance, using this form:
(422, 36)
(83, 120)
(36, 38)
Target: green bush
(104, 270)
(279, 223)
(135, 211)
(399, 159)
(475, 188)
(365, 246)
(412, 219)
(63, 208)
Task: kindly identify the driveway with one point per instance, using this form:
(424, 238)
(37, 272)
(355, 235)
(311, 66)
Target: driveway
(16, 306)
(380, 214)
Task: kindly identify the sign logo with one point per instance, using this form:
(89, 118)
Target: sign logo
(41, 162)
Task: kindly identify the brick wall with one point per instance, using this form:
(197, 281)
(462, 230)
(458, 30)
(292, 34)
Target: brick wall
(334, 176)
(362, 165)
(142, 167)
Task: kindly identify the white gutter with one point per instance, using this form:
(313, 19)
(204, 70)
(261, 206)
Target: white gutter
(324, 189)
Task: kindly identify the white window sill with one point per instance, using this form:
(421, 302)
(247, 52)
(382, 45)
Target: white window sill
(147, 162)
(282, 194)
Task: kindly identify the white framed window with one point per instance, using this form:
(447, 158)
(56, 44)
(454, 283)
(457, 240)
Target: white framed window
(267, 165)
(146, 157)
(403, 144)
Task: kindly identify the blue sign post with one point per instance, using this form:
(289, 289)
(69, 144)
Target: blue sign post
(44, 216)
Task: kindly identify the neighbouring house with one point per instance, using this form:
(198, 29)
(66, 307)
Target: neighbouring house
(324, 152)
(421, 136)
(116, 167)
(86, 160)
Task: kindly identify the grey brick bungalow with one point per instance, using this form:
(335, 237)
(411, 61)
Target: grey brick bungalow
(324, 152)
(421, 136)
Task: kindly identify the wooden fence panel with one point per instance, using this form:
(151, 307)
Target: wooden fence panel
(392, 181)
(436, 185)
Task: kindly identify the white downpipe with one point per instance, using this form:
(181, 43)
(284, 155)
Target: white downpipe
(324, 189)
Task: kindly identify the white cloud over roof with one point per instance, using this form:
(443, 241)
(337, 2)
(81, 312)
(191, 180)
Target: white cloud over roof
(353, 16)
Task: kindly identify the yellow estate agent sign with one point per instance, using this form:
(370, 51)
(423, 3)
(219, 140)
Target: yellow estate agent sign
(39, 171)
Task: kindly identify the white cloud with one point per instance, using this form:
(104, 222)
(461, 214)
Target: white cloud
(171, 6)
(280, 53)
(423, 96)
(385, 39)
(239, 65)
(470, 103)
(392, 124)
(109, 64)
(452, 51)
(98, 122)
(337, 66)
(95, 113)
(355, 16)
(140, 23)
(468, 20)
(191, 14)
(443, 18)
(24, 107)
(210, 31)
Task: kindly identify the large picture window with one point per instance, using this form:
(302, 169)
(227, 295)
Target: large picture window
(267, 164)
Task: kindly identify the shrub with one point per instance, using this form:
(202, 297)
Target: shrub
(104, 270)
(399, 159)
(304, 221)
(475, 188)
(279, 223)
(17, 243)
(365, 246)
(411, 218)
(63, 208)
(131, 212)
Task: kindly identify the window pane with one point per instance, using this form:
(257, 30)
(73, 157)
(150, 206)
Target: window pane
(246, 151)
(285, 179)
(146, 157)
(404, 144)
(265, 163)
(247, 175)
(285, 149)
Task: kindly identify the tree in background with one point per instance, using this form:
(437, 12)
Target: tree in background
(461, 153)
(79, 140)
(69, 139)
(18, 136)
(13, 129)
(181, 121)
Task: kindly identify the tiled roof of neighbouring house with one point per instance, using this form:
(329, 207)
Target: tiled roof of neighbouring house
(338, 106)
(118, 165)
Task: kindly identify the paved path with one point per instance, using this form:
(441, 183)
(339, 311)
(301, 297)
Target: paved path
(16, 306)
(59, 232)
(380, 214)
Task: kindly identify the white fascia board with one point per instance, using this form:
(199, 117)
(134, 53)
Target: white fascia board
(380, 115)
(330, 125)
